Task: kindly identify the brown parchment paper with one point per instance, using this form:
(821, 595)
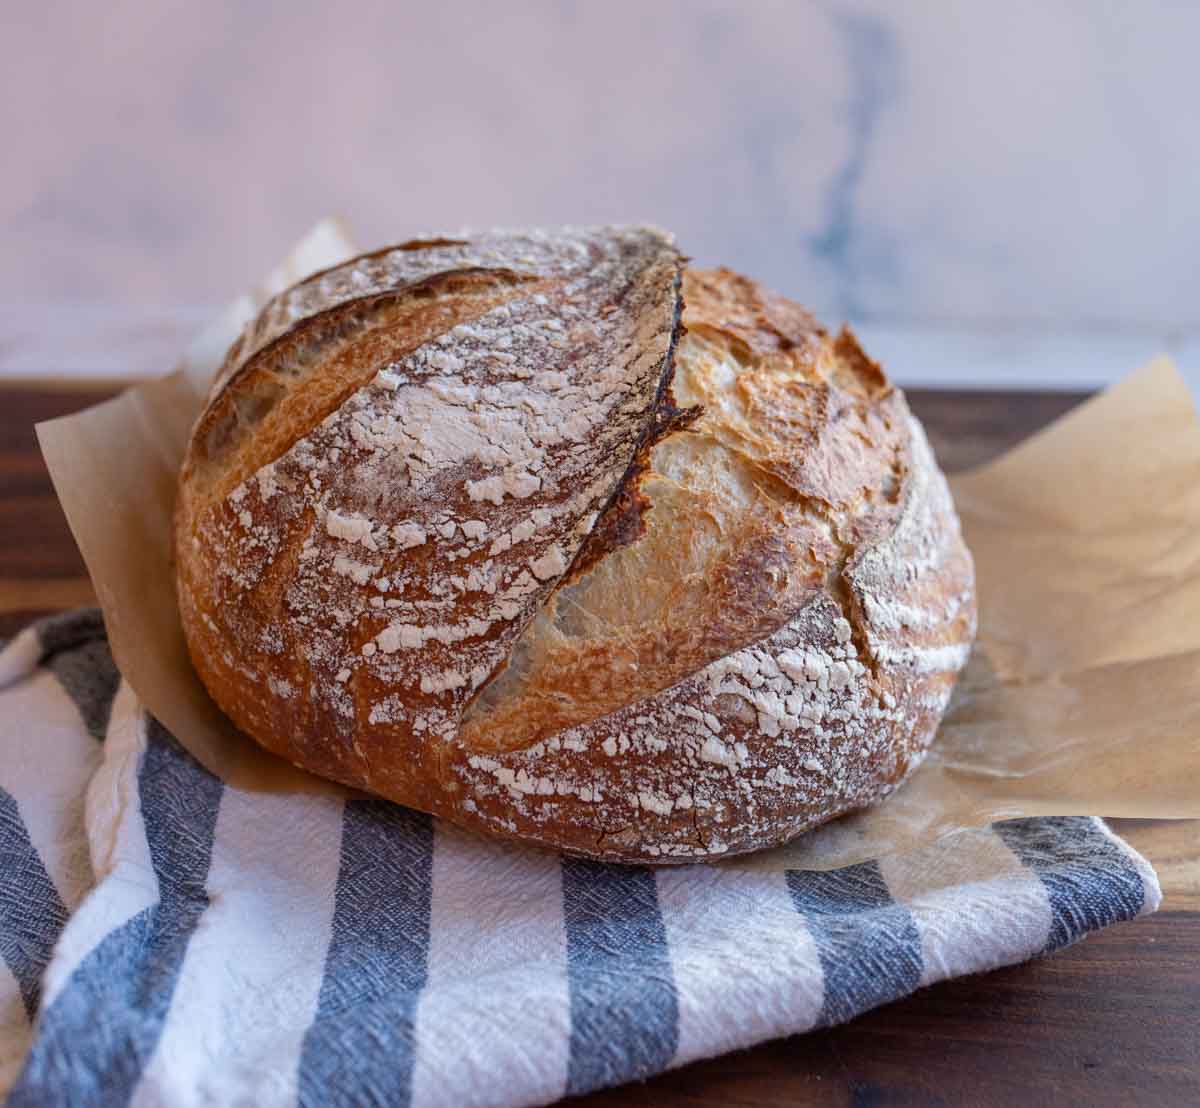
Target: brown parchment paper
(1082, 696)
(114, 467)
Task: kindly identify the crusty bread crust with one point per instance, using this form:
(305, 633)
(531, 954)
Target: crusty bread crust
(472, 525)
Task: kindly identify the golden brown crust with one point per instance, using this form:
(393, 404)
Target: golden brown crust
(483, 556)
(761, 322)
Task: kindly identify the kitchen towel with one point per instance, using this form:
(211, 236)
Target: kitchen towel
(168, 940)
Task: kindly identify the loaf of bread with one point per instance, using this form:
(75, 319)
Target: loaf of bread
(548, 535)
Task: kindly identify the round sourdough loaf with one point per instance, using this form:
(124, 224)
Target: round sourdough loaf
(548, 535)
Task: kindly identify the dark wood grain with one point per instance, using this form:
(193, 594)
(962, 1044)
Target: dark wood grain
(35, 541)
(967, 428)
(1111, 1021)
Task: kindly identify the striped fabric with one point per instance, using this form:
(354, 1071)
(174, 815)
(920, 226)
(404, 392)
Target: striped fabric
(166, 939)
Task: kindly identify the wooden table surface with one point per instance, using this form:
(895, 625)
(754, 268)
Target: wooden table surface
(1113, 1020)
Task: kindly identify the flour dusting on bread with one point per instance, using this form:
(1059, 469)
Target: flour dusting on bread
(474, 524)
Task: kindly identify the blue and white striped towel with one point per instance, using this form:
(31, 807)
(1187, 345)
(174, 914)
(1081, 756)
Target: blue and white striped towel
(166, 939)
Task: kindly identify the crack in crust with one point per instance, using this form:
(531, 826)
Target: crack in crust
(620, 521)
(742, 507)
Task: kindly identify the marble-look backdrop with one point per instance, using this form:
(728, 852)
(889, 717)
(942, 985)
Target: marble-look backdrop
(1033, 164)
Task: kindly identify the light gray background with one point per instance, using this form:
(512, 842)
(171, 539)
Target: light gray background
(996, 193)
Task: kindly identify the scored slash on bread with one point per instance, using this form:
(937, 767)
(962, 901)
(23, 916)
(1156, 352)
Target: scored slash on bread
(476, 525)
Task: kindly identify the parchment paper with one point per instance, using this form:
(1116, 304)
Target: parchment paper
(114, 467)
(1082, 696)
